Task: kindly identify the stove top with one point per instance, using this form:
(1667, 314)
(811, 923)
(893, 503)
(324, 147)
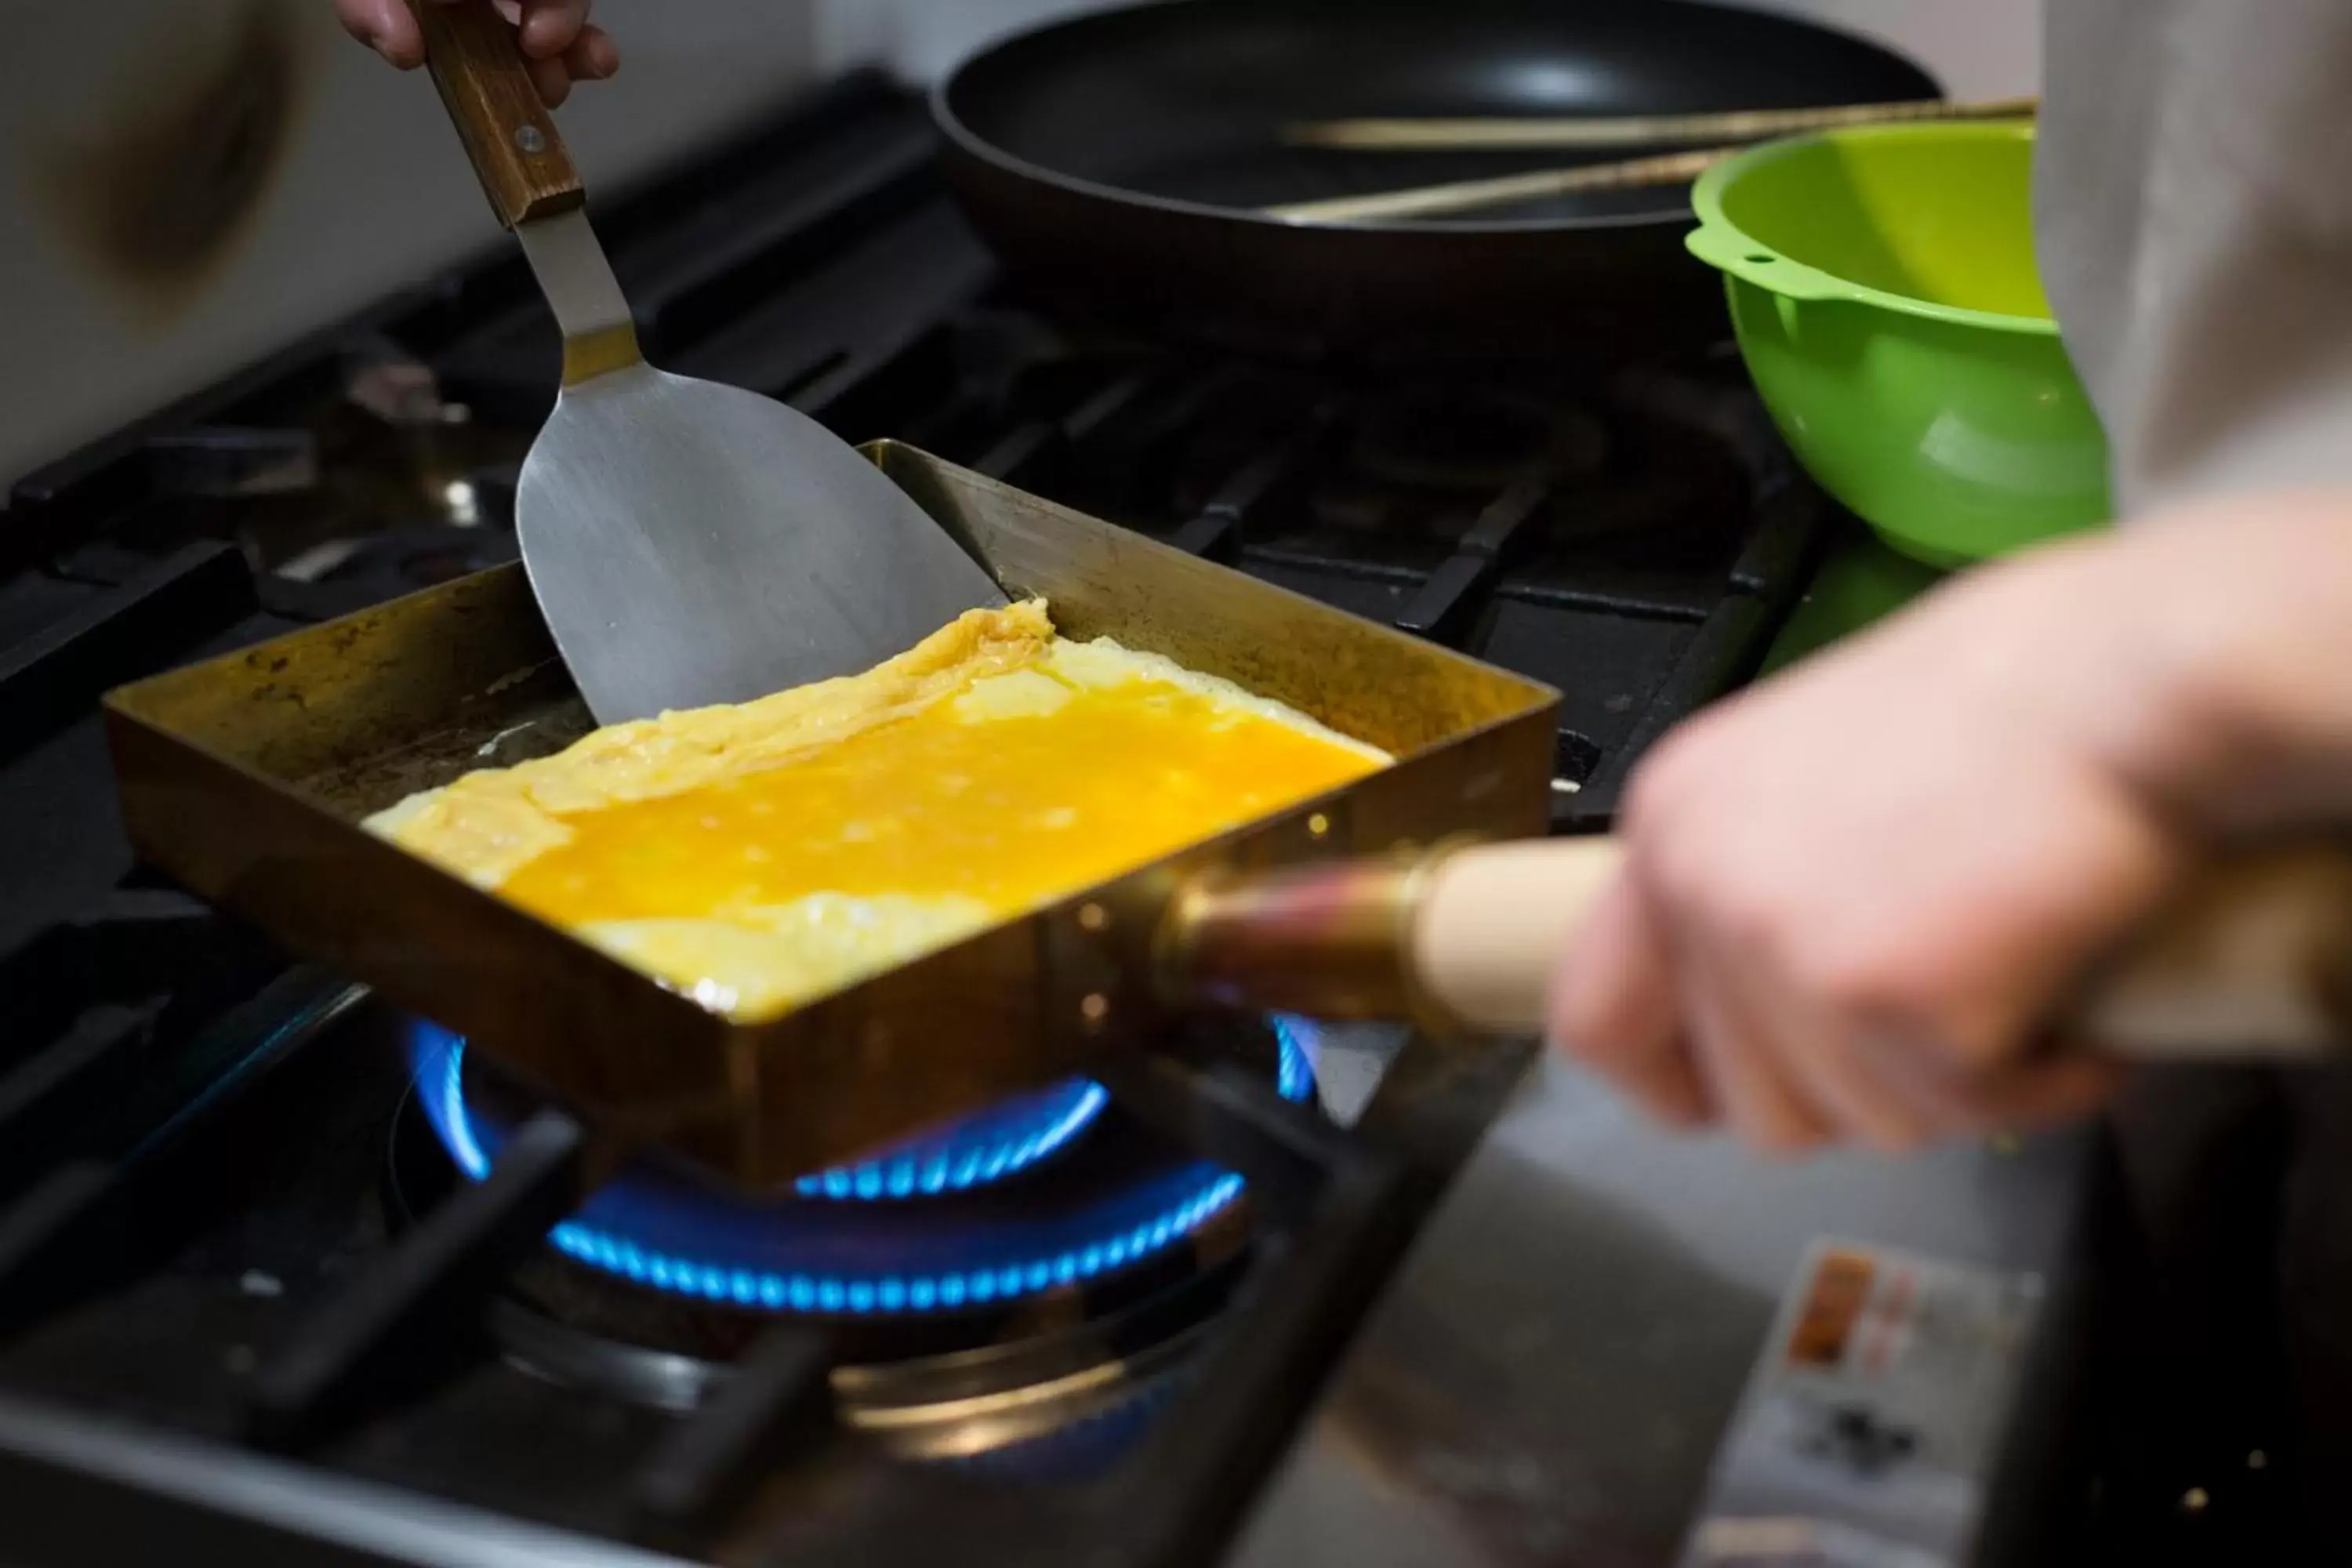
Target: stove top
(284, 1276)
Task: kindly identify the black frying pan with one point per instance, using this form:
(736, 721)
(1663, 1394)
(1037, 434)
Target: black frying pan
(1117, 160)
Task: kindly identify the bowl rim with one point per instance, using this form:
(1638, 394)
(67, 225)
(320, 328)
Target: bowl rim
(1724, 245)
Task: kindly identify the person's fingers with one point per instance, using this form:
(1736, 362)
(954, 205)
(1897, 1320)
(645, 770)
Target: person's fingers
(1679, 1094)
(552, 27)
(553, 78)
(557, 44)
(1819, 1059)
(1613, 1008)
(1763, 1103)
(593, 56)
(387, 27)
(2051, 1089)
(2065, 1089)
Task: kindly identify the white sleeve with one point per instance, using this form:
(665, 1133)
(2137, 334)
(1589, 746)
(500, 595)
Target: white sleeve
(2195, 206)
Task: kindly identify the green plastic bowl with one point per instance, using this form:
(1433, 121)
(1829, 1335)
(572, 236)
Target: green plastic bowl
(1885, 294)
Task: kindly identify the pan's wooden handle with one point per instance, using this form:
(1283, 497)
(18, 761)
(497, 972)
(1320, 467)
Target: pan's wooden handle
(2253, 960)
(1493, 922)
(477, 64)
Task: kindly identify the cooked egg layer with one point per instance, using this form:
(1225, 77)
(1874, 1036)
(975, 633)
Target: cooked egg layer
(759, 856)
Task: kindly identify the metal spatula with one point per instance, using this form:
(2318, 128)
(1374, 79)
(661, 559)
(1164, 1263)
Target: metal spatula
(690, 543)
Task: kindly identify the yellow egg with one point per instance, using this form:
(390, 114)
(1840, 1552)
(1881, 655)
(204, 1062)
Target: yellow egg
(759, 856)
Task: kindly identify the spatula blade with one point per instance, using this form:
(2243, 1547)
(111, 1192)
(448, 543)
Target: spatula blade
(692, 543)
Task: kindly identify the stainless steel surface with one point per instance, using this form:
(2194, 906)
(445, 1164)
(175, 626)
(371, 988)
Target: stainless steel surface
(1548, 1378)
(115, 1492)
(572, 272)
(692, 543)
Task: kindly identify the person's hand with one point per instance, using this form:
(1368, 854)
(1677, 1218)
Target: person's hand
(559, 44)
(1851, 895)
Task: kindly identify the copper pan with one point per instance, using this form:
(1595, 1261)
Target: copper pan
(246, 778)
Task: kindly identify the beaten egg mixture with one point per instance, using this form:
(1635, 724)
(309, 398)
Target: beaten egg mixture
(759, 856)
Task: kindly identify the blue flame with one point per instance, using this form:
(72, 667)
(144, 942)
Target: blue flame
(973, 1152)
(806, 1291)
(725, 1252)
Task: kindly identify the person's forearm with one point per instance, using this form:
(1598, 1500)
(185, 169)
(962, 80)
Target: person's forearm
(2235, 679)
(2203, 658)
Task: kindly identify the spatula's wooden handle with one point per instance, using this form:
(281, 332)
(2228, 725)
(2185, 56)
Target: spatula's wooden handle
(2254, 959)
(476, 62)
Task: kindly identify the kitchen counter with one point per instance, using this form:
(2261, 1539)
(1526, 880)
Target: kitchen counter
(1551, 1375)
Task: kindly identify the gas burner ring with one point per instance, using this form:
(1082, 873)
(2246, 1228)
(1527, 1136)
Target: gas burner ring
(784, 1256)
(1008, 1406)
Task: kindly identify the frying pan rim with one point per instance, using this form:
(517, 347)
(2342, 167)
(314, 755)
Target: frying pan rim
(971, 144)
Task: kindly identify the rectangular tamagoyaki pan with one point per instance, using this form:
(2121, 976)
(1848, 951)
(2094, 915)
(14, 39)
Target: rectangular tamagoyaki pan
(248, 778)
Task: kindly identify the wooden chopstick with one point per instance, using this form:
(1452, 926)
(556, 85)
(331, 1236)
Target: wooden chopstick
(1649, 131)
(1470, 195)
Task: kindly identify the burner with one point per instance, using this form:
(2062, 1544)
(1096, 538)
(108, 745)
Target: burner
(1046, 1399)
(944, 1246)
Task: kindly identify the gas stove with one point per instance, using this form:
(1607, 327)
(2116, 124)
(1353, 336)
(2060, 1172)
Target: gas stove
(286, 1277)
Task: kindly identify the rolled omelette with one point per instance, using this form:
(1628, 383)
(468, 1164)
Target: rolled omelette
(759, 856)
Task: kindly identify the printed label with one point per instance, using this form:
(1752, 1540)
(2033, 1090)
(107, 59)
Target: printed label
(1869, 1427)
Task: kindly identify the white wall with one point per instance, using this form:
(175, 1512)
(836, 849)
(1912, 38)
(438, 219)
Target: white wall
(1980, 47)
(374, 193)
(920, 38)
